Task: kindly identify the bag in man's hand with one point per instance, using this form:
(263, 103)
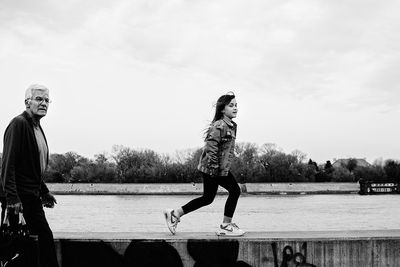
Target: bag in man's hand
(17, 246)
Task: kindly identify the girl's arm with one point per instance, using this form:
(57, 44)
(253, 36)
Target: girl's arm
(212, 147)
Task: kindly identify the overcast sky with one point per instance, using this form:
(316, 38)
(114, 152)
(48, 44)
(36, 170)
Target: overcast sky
(318, 76)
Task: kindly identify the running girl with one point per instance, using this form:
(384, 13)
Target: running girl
(215, 163)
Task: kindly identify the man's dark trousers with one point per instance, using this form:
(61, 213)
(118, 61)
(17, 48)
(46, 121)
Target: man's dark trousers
(37, 225)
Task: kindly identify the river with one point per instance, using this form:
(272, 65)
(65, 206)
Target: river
(133, 213)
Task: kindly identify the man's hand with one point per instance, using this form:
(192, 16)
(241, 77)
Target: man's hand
(16, 207)
(48, 200)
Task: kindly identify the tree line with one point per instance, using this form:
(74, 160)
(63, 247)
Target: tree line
(253, 163)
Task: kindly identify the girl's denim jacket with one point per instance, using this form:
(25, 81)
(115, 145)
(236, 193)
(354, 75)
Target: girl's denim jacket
(218, 152)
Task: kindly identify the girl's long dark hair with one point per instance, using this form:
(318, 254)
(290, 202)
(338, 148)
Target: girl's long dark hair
(222, 101)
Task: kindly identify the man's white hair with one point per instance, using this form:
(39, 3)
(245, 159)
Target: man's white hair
(33, 87)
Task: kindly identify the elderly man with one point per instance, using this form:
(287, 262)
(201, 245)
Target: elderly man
(25, 158)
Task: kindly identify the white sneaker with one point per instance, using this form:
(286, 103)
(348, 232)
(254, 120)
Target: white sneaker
(171, 220)
(229, 229)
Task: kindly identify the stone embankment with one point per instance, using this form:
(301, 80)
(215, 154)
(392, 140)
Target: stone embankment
(255, 249)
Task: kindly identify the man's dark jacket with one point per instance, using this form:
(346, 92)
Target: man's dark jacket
(21, 172)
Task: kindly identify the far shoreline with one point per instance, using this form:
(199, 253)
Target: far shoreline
(197, 188)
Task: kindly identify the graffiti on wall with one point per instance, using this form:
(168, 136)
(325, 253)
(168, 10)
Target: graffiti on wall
(291, 258)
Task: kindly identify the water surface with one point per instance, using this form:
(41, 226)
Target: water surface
(88, 213)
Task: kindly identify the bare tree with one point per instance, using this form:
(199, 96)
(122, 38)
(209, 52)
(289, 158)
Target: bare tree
(300, 156)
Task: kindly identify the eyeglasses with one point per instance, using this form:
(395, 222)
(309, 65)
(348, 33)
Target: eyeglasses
(41, 99)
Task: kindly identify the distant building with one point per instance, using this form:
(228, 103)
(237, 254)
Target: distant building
(344, 162)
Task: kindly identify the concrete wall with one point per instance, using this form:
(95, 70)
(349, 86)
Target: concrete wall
(255, 249)
(188, 188)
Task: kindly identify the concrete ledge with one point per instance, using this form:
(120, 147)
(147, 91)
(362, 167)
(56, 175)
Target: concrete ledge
(197, 188)
(355, 248)
(265, 236)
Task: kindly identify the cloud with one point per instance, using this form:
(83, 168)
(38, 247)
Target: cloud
(298, 48)
(315, 57)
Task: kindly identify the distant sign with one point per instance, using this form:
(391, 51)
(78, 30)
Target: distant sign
(369, 187)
